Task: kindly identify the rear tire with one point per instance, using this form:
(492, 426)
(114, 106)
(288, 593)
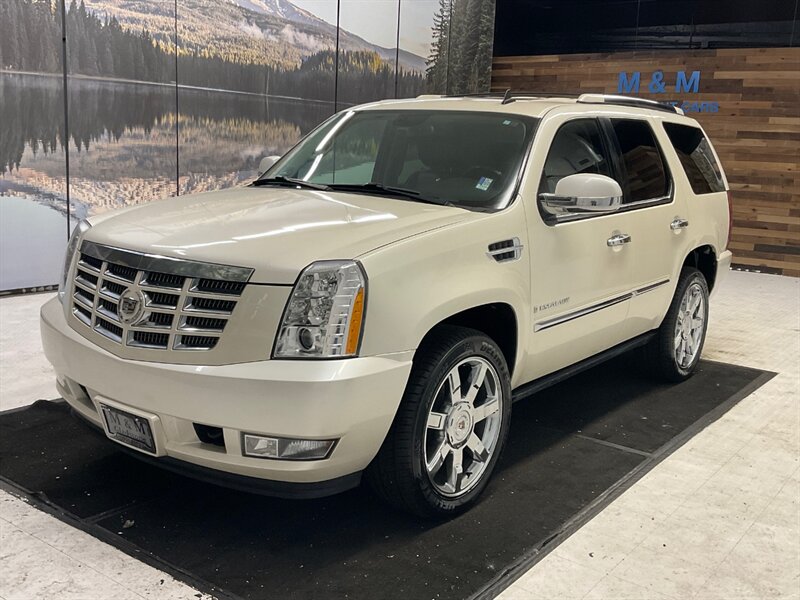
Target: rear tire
(450, 428)
(672, 355)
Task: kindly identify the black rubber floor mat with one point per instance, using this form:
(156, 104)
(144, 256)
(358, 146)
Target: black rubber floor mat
(571, 450)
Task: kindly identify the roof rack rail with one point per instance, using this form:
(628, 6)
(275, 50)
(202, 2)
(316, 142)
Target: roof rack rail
(628, 101)
(508, 94)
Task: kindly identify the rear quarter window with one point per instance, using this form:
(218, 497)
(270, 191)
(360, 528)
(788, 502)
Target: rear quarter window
(696, 157)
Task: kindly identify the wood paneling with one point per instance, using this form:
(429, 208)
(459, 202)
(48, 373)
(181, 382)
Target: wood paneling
(756, 131)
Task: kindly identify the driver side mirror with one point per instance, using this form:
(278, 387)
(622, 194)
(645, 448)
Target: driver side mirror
(266, 163)
(583, 193)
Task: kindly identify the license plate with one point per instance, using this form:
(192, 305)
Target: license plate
(129, 429)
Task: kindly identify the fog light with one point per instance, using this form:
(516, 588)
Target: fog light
(285, 448)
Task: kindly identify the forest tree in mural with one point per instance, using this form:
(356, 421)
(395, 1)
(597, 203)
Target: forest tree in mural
(99, 46)
(461, 49)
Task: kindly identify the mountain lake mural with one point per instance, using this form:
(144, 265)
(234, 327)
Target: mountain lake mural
(160, 103)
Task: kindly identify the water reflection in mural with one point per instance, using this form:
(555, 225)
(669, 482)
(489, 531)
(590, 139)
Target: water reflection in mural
(33, 207)
(223, 135)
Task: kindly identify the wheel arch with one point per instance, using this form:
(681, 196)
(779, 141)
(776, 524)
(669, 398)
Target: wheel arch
(704, 259)
(497, 320)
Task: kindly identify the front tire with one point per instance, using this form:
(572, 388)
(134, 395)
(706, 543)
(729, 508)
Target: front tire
(450, 428)
(674, 352)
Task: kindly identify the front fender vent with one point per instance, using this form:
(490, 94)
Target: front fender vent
(505, 250)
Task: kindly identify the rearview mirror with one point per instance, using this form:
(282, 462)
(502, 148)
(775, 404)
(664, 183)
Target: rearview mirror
(266, 163)
(583, 193)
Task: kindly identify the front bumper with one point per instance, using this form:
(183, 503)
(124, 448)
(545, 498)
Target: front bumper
(352, 400)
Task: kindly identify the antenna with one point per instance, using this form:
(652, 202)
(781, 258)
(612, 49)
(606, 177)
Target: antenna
(507, 99)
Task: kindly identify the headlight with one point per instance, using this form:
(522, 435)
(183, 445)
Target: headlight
(72, 246)
(324, 315)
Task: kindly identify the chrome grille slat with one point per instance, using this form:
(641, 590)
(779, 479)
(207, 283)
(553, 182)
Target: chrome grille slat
(211, 296)
(104, 293)
(108, 329)
(84, 315)
(84, 263)
(216, 287)
(162, 281)
(85, 280)
(210, 306)
(196, 342)
(84, 301)
(109, 276)
(111, 289)
(157, 289)
(180, 312)
(200, 324)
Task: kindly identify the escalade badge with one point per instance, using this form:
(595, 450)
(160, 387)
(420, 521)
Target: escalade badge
(131, 305)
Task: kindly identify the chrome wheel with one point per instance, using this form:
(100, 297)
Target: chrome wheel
(463, 426)
(690, 326)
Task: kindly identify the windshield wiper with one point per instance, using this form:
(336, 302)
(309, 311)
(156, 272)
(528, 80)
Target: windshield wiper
(290, 182)
(379, 188)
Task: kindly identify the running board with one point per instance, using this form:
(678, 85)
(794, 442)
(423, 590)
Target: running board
(536, 386)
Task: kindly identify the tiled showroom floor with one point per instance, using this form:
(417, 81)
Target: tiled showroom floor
(719, 518)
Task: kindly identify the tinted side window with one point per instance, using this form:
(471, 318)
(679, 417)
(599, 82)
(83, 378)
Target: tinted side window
(642, 164)
(697, 159)
(577, 148)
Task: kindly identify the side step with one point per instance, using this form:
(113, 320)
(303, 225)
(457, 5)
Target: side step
(536, 386)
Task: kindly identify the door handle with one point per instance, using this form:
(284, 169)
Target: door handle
(679, 224)
(618, 240)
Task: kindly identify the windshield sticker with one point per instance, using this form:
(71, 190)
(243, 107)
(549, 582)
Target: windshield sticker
(484, 183)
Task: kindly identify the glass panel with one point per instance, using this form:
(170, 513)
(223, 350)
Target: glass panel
(121, 64)
(641, 158)
(254, 77)
(469, 64)
(367, 51)
(696, 157)
(457, 36)
(33, 208)
(577, 148)
(421, 30)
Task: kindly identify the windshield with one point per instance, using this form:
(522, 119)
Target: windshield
(468, 159)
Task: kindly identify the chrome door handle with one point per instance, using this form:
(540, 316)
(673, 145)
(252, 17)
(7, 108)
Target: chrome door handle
(618, 240)
(679, 224)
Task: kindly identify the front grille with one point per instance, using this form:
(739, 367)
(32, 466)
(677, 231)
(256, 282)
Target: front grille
(167, 304)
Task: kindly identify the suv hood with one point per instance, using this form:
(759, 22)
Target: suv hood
(276, 231)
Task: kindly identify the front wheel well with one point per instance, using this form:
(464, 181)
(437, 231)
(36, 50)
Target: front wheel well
(497, 321)
(704, 259)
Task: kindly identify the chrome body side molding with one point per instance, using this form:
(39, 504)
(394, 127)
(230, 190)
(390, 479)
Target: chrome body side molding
(570, 316)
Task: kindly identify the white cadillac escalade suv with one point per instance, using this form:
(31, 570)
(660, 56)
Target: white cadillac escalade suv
(373, 303)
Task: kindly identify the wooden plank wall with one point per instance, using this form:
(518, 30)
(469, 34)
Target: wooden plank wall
(756, 131)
